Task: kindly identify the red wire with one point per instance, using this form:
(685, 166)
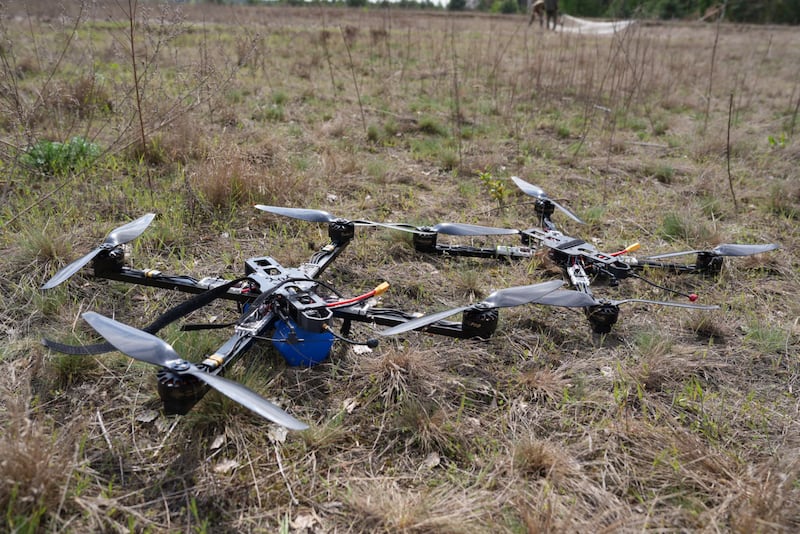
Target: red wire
(352, 300)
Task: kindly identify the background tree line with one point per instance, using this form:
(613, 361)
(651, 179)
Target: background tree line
(753, 11)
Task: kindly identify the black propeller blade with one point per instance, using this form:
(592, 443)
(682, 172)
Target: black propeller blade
(120, 236)
(150, 349)
(724, 249)
(538, 192)
(578, 299)
(503, 298)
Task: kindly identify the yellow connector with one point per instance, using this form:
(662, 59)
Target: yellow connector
(381, 289)
(632, 248)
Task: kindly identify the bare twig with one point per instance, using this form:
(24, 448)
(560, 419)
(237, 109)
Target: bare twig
(132, 4)
(355, 81)
(728, 154)
(711, 68)
(456, 101)
(283, 474)
(794, 116)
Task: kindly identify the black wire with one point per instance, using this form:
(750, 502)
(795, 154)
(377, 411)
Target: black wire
(645, 280)
(371, 343)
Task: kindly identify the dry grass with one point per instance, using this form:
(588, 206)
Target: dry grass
(677, 420)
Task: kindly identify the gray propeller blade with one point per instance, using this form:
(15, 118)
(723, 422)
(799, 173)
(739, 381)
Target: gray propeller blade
(503, 298)
(133, 342)
(458, 229)
(71, 269)
(129, 232)
(517, 296)
(317, 216)
(248, 398)
(568, 299)
(119, 236)
(538, 192)
(724, 249)
(320, 216)
(667, 303)
(419, 322)
(743, 250)
(578, 299)
(150, 349)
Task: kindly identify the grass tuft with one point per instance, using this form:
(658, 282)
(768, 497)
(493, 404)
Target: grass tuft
(534, 459)
(32, 470)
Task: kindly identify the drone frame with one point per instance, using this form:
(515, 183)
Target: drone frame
(279, 304)
(581, 262)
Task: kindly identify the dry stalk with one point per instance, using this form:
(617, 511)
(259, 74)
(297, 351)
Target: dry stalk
(355, 80)
(711, 67)
(794, 116)
(131, 13)
(728, 155)
(456, 90)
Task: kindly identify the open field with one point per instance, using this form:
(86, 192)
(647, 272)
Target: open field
(678, 136)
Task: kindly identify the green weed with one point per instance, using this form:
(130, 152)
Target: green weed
(55, 158)
(432, 126)
(497, 188)
(765, 338)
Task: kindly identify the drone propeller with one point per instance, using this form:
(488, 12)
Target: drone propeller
(538, 192)
(503, 298)
(578, 299)
(120, 236)
(722, 250)
(317, 216)
(457, 229)
(150, 349)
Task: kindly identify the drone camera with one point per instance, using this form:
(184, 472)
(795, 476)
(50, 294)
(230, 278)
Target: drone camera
(480, 322)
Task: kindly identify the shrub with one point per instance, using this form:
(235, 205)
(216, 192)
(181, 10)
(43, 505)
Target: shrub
(52, 157)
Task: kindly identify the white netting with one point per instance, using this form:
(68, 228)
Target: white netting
(591, 27)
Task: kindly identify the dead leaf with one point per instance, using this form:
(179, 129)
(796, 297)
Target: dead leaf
(226, 466)
(303, 521)
(218, 442)
(277, 434)
(147, 416)
(350, 404)
(432, 460)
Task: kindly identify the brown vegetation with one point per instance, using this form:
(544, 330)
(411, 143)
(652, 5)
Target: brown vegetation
(678, 420)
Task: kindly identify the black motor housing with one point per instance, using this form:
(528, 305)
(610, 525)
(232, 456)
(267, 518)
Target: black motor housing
(480, 322)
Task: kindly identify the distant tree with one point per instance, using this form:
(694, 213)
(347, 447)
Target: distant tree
(583, 8)
(457, 5)
(505, 6)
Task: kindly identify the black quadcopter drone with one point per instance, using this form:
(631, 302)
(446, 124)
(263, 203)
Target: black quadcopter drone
(289, 307)
(580, 261)
(294, 310)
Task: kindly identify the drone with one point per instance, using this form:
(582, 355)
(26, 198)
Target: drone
(581, 262)
(287, 306)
